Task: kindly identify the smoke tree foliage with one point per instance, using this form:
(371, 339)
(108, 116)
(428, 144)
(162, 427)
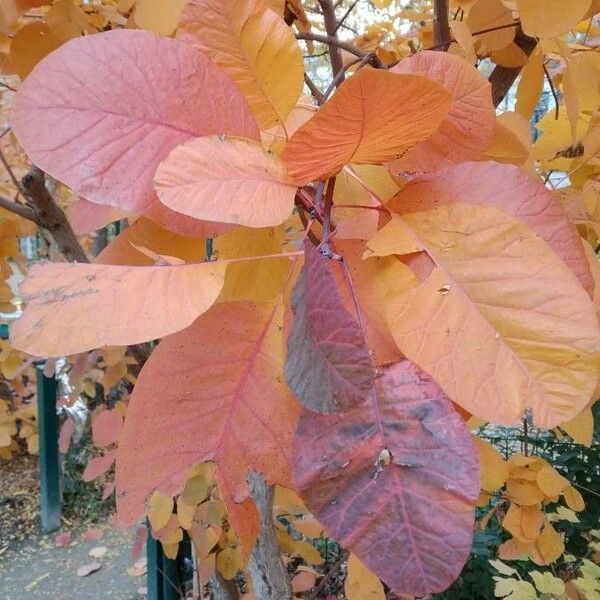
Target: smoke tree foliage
(343, 283)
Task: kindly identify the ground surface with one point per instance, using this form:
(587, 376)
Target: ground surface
(33, 565)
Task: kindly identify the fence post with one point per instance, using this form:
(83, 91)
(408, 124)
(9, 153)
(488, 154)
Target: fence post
(49, 458)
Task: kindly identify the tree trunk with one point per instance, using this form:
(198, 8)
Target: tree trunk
(269, 575)
(222, 589)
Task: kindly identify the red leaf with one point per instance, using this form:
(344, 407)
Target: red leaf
(138, 542)
(93, 534)
(108, 490)
(106, 427)
(62, 539)
(214, 391)
(410, 520)
(505, 187)
(66, 433)
(147, 95)
(328, 365)
(99, 465)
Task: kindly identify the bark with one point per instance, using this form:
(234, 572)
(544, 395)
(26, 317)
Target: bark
(331, 28)
(222, 589)
(269, 575)
(441, 27)
(48, 215)
(502, 78)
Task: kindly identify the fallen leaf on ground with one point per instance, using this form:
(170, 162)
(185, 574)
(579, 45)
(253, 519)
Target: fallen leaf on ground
(98, 551)
(88, 569)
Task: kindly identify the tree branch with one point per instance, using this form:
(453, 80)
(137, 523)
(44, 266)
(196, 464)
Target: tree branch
(18, 209)
(441, 27)
(331, 26)
(502, 78)
(50, 216)
(332, 41)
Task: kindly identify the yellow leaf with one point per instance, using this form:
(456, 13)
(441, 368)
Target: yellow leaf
(487, 14)
(227, 563)
(573, 499)
(581, 427)
(160, 16)
(514, 589)
(256, 280)
(297, 547)
(396, 237)
(546, 583)
(550, 544)
(476, 319)
(524, 492)
(511, 56)
(310, 528)
(531, 85)
(362, 584)
(551, 18)
(160, 508)
(67, 20)
(171, 550)
(506, 146)
(254, 46)
(33, 444)
(494, 470)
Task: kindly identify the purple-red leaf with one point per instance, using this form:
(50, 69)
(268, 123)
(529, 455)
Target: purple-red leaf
(328, 366)
(394, 480)
(102, 111)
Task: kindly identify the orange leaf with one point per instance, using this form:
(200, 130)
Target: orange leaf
(453, 314)
(30, 44)
(198, 399)
(468, 127)
(228, 180)
(550, 544)
(550, 482)
(254, 46)
(494, 470)
(375, 116)
(362, 584)
(107, 305)
(573, 499)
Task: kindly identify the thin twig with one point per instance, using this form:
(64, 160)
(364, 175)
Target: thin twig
(314, 90)
(346, 14)
(8, 87)
(553, 90)
(18, 209)
(332, 41)
(340, 74)
(479, 32)
(334, 569)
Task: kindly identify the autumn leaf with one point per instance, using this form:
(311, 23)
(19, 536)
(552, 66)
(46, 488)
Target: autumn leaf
(124, 249)
(375, 116)
(99, 465)
(226, 401)
(30, 45)
(160, 16)
(494, 470)
(108, 305)
(87, 217)
(551, 18)
(228, 180)
(254, 46)
(487, 309)
(116, 123)
(328, 366)
(509, 189)
(360, 583)
(106, 427)
(468, 126)
(399, 472)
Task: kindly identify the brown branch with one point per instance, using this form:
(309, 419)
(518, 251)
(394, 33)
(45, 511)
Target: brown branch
(341, 74)
(554, 94)
(314, 90)
(479, 32)
(50, 216)
(502, 78)
(332, 41)
(18, 209)
(331, 25)
(441, 27)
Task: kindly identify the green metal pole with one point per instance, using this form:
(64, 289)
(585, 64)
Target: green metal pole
(4, 331)
(49, 458)
(162, 580)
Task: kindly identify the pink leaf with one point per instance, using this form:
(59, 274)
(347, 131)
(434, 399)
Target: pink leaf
(108, 490)
(106, 427)
(66, 433)
(328, 365)
(93, 534)
(394, 480)
(63, 539)
(86, 217)
(118, 102)
(505, 187)
(99, 465)
(303, 582)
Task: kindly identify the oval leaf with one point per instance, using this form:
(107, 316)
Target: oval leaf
(108, 305)
(500, 323)
(227, 180)
(375, 116)
(467, 129)
(399, 472)
(328, 365)
(509, 189)
(254, 46)
(200, 399)
(147, 95)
